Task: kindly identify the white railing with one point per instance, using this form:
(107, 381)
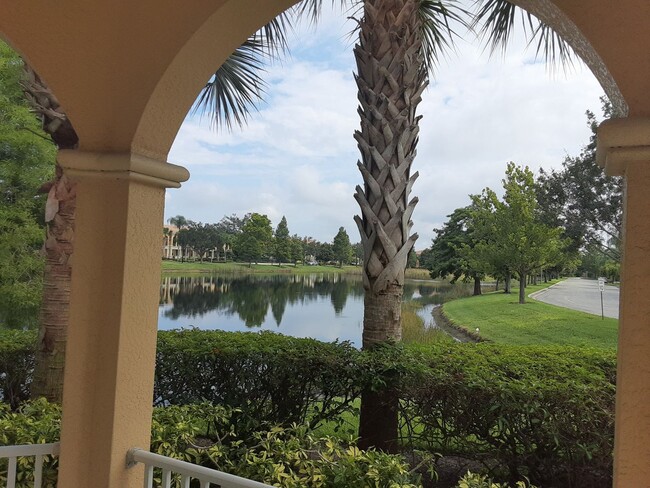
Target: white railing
(38, 451)
(186, 471)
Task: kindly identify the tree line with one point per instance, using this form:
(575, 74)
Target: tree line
(251, 239)
(561, 222)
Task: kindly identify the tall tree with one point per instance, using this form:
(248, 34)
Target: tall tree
(517, 232)
(341, 247)
(399, 42)
(282, 242)
(583, 200)
(449, 250)
(255, 240)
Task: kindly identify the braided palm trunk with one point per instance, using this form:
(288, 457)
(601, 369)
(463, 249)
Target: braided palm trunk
(391, 78)
(59, 219)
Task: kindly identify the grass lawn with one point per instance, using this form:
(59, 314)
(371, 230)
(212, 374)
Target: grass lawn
(500, 318)
(243, 268)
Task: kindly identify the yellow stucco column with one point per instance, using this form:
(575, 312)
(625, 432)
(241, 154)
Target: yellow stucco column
(624, 149)
(108, 388)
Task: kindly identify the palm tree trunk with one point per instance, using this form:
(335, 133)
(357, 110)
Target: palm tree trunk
(59, 218)
(390, 80)
(54, 315)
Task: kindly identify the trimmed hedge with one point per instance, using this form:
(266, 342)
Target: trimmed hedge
(544, 413)
(272, 378)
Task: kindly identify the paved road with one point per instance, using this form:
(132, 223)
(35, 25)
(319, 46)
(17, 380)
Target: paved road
(581, 294)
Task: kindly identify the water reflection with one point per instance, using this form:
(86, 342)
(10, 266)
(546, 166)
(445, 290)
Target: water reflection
(322, 306)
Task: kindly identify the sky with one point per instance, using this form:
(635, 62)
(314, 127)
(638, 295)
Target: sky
(297, 157)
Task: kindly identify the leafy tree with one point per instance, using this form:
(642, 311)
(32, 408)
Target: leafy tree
(282, 242)
(26, 163)
(201, 238)
(324, 252)
(517, 236)
(341, 247)
(297, 251)
(254, 242)
(583, 200)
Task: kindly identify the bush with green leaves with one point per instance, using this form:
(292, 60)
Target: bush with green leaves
(16, 365)
(206, 435)
(271, 378)
(290, 457)
(472, 480)
(544, 413)
(37, 422)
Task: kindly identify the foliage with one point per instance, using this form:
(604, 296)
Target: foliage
(207, 435)
(341, 247)
(255, 239)
(473, 480)
(545, 413)
(16, 365)
(583, 200)
(26, 162)
(201, 238)
(37, 422)
(512, 235)
(282, 243)
(271, 378)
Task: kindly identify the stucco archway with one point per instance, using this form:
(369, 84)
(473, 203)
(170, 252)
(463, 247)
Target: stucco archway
(127, 72)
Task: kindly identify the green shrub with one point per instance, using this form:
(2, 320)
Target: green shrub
(36, 422)
(471, 480)
(289, 457)
(544, 413)
(272, 378)
(206, 434)
(16, 365)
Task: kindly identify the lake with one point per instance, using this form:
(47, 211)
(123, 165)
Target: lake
(322, 306)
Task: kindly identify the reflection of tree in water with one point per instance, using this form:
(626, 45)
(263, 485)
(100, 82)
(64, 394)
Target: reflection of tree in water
(193, 302)
(339, 295)
(251, 296)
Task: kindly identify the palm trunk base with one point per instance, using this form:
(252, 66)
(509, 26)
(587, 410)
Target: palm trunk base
(378, 422)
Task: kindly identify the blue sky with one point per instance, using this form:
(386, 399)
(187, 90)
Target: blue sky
(297, 156)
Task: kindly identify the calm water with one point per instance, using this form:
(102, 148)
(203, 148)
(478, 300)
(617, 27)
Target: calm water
(321, 306)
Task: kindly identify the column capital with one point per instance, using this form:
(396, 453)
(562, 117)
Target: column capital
(122, 165)
(621, 142)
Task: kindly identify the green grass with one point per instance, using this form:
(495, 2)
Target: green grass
(243, 268)
(501, 319)
(414, 329)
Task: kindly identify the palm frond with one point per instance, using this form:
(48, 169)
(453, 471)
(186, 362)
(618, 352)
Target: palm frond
(494, 20)
(312, 9)
(237, 86)
(437, 18)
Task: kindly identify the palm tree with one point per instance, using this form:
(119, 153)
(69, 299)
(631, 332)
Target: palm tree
(58, 248)
(399, 44)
